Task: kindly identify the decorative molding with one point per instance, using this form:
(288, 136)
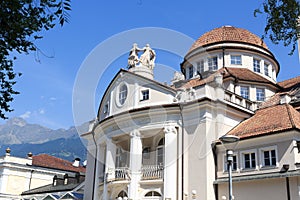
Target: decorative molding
(135, 133)
(169, 129)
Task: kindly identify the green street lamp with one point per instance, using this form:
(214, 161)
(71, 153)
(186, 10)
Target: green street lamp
(229, 142)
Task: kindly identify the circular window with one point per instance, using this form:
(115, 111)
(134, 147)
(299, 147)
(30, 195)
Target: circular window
(123, 94)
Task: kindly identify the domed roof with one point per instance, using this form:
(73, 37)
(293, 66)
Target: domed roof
(228, 34)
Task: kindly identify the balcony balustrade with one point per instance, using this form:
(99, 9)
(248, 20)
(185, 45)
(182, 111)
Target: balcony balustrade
(239, 100)
(122, 173)
(150, 172)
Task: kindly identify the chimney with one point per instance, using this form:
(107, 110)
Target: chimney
(76, 162)
(7, 151)
(84, 163)
(29, 155)
(285, 98)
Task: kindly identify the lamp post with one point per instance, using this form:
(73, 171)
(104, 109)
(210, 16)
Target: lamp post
(229, 142)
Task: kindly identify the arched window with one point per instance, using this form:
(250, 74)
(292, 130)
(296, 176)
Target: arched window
(160, 152)
(152, 194)
(123, 94)
(122, 194)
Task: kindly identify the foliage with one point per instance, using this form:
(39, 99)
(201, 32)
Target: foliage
(282, 21)
(22, 22)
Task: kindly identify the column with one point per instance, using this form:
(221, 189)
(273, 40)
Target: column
(170, 163)
(100, 174)
(110, 166)
(90, 168)
(135, 164)
(110, 159)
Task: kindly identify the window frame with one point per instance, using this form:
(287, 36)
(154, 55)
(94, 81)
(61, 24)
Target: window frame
(256, 66)
(143, 95)
(212, 63)
(235, 165)
(243, 159)
(258, 97)
(248, 91)
(262, 157)
(236, 61)
(190, 71)
(266, 70)
(121, 159)
(122, 94)
(160, 146)
(200, 66)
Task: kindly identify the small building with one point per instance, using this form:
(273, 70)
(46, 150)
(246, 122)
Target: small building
(21, 174)
(63, 187)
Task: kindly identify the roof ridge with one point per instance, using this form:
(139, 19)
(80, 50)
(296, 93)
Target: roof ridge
(290, 115)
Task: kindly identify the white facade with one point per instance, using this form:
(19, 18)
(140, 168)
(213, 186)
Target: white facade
(153, 141)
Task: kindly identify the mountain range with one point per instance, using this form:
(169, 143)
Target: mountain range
(22, 137)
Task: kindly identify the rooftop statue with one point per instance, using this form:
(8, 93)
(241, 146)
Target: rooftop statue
(146, 59)
(133, 59)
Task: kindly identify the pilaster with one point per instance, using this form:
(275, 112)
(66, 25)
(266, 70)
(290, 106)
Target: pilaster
(170, 163)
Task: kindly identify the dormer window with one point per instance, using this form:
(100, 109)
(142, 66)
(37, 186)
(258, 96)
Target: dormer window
(236, 59)
(256, 65)
(213, 63)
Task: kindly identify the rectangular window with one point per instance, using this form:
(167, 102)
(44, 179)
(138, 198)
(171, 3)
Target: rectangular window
(260, 94)
(234, 163)
(269, 158)
(266, 69)
(249, 160)
(236, 60)
(144, 95)
(245, 92)
(200, 66)
(212, 63)
(256, 65)
(191, 72)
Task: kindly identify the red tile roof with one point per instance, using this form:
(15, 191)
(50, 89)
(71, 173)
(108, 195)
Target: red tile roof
(241, 74)
(244, 74)
(47, 161)
(290, 82)
(267, 121)
(228, 34)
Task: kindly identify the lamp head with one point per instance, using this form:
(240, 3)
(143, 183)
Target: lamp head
(229, 141)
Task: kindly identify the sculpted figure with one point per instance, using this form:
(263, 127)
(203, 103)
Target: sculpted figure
(133, 59)
(148, 57)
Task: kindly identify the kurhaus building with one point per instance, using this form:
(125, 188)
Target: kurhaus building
(160, 142)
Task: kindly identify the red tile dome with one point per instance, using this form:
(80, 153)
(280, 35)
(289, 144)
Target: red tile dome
(228, 34)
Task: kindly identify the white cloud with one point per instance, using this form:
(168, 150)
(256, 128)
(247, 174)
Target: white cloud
(42, 111)
(26, 115)
(53, 98)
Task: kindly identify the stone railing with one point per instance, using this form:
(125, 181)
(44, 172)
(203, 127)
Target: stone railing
(152, 172)
(239, 100)
(121, 173)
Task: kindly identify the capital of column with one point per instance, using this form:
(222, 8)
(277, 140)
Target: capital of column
(169, 129)
(135, 133)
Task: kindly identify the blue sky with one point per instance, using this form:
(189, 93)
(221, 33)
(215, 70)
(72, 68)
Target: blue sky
(46, 87)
